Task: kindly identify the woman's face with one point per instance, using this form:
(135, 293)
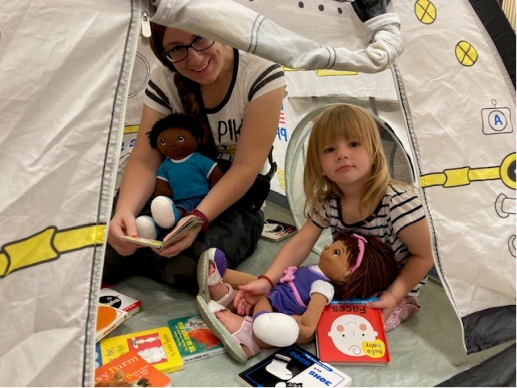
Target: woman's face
(203, 67)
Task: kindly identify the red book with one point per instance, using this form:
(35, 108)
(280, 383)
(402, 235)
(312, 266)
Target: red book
(130, 370)
(348, 332)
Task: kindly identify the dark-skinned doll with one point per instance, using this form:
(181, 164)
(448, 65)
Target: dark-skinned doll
(184, 177)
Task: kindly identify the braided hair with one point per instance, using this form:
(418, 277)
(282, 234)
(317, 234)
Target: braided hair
(186, 90)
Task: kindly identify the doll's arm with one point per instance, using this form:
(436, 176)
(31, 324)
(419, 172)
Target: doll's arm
(310, 318)
(215, 176)
(162, 188)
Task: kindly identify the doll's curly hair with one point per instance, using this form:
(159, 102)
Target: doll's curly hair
(176, 120)
(378, 268)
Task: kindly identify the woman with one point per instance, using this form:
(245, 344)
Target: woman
(240, 96)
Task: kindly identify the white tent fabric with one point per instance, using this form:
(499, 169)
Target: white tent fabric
(65, 75)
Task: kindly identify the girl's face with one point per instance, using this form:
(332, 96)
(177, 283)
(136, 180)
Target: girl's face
(346, 162)
(202, 67)
(334, 261)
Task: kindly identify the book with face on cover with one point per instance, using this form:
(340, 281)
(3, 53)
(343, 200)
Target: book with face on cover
(110, 297)
(156, 346)
(350, 333)
(130, 370)
(293, 366)
(192, 223)
(277, 230)
(194, 339)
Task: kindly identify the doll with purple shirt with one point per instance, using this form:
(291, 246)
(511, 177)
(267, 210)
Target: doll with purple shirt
(352, 266)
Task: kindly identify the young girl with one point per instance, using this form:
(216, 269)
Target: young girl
(348, 188)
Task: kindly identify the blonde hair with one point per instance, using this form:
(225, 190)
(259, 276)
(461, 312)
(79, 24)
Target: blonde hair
(349, 122)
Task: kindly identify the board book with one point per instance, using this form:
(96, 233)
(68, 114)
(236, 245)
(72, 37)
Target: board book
(130, 370)
(276, 230)
(194, 339)
(108, 319)
(192, 223)
(110, 297)
(348, 332)
(156, 346)
(293, 366)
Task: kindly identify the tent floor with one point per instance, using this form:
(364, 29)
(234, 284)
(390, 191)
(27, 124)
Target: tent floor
(426, 350)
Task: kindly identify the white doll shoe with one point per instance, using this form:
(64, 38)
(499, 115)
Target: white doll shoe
(146, 227)
(276, 329)
(164, 212)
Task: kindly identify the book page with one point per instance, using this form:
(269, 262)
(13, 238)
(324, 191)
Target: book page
(192, 223)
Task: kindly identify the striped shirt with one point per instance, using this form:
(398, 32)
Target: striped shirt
(398, 209)
(252, 78)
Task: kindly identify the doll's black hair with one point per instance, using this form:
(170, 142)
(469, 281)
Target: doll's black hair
(176, 120)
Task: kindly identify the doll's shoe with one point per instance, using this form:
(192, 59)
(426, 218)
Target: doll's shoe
(146, 227)
(218, 258)
(275, 329)
(164, 212)
(232, 342)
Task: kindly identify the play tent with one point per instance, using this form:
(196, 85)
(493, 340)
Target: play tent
(67, 70)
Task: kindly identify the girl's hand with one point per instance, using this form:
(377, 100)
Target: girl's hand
(181, 245)
(122, 224)
(249, 294)
(386, 304)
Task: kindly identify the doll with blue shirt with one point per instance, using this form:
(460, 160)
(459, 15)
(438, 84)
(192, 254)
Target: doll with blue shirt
(184, 177)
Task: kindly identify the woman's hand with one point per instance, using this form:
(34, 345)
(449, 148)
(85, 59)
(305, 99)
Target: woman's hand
(122, 223)
(386, 304)
(181, 245)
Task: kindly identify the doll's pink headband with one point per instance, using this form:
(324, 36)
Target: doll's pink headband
(360, 241)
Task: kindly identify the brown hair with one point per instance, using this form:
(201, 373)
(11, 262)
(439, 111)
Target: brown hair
(378, 268)
(350, 122)
(185, 86)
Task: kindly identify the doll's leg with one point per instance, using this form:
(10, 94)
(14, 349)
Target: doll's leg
(276, 329)
(164, 212)
(238, 278)
(147, 228)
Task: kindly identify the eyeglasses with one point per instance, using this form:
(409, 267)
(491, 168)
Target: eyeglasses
(179, 53)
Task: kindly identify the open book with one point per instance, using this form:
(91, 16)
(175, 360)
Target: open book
(192, 223)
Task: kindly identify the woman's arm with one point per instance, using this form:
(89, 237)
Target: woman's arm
(257, 134)
(138, 184)
(258, 131)
(416, 237)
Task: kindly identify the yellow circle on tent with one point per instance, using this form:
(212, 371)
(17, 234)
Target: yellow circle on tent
(507, 171)
(466, 53)
(425, 11)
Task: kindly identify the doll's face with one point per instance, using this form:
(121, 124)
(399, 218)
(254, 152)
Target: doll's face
(334, 261)
(177, 143)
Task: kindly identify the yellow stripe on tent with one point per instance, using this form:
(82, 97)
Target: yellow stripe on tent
(48, 245)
